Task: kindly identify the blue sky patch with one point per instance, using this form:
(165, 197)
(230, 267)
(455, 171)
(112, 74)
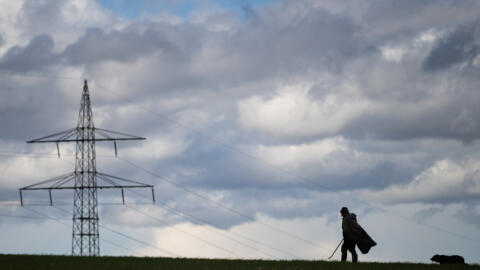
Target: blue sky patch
(182, 8)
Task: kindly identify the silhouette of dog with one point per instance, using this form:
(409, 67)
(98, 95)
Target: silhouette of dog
(444, 259)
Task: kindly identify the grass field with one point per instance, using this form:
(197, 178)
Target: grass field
(45, 262)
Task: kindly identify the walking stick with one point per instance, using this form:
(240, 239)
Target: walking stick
(335, 249)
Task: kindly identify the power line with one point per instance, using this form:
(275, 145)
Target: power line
(201, 239)
(194, 218)
(216, 230)
(35, 155)
(377, 207)
(165, 223)
(185, 232)
(140, 241)
(274, 228)
(127, 236)
(235, 149)
(381, 208)
(232, 210)
(44, 216)
(143, 213)
(57, 203)
(282, 170)
(24, 153)
(191, 217)
(21, 217)
(160, 221)
(106, 228)
(121, 246)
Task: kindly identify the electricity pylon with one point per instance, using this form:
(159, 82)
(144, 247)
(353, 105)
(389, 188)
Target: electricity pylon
(85, 179)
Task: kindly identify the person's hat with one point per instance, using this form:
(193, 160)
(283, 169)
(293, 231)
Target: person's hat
(344, 210)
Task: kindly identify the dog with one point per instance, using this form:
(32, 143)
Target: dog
(444, 259)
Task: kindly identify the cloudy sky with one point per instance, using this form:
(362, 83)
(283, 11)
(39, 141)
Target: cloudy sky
(262, 118)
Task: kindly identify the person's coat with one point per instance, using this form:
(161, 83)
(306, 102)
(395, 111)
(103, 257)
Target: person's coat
(355, 233)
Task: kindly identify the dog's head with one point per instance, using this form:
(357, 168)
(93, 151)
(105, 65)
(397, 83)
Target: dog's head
(435, 258)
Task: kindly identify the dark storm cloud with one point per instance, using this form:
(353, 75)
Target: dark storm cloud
(199, 62)
(456, 120)
(461, 46)
(96, 46)
(271, 46)
(43, 111)
(121, 46)
(394, 22)
(36, 55)
(263, 47)
(258, 50)
(223, 168)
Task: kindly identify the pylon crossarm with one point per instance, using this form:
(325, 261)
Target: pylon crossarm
(131, 184)
(84, 140)
(70, 135)
(61, 183)
(116, 185)
(87, 187)
(107, 180)
(57, 137)
(58, 181)
(113, 135)
(113, 178)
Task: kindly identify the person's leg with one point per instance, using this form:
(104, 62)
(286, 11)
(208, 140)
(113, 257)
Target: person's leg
(349, 245)
(344, 252)
(354, 254)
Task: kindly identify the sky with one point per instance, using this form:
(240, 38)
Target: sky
(262, 119)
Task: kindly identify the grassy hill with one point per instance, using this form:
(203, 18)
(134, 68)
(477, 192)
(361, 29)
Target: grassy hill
(8, 262)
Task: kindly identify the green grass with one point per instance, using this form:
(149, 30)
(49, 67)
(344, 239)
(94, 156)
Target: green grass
(45, 262)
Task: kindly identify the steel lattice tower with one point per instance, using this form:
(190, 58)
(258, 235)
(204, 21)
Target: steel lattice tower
(85, 205)
(85, 232)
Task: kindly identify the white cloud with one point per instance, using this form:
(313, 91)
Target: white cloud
(303, 154)
(19, 171)
(394, 54)
(179, 239)
(328, 157)
(158, 148)
(445, 181)
(293, 112)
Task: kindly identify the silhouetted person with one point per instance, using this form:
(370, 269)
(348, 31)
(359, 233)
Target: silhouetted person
(353, 234)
